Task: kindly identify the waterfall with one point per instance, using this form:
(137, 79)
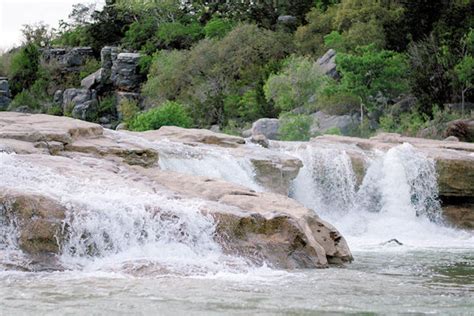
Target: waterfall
(199, 161)
(398, 197)
(112, 222)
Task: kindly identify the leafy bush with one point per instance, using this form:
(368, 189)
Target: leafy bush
(178, 35)
(138, 34)
(25, 98)
(168, 114)
(298, 84)
(128, 109)
(218, 27)
(90, 66)
(295, 127)
(23, 68)
(408, 124)
(106, 106)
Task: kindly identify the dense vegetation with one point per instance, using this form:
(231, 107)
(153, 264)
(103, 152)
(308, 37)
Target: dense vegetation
(232, 62)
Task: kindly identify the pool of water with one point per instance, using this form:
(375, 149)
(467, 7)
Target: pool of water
(387, 280)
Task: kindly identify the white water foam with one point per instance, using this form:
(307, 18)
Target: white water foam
(398, 198)
(114, 225)
(199, 161)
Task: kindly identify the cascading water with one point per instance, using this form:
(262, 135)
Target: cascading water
(111, 224)
(199, 161)
(398, 197)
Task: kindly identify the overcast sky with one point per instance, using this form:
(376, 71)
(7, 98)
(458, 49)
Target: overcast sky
(15, 13)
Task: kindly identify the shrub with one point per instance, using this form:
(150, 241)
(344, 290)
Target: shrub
(25, 98)
(168, 114)
(218, 28)
(295, 127)
(128, 109)
(106, 106)
(298, 84)
(24, 67)
(89, 67)
(178, 35)
(408, 124)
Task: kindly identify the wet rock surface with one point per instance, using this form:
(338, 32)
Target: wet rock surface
(261, 227)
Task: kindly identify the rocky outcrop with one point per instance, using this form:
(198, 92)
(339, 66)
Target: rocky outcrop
(125, 73)
(323, 123)
(70, 59)
(327, 63)
(259, 226)
(5, 97)
(81, 103)
(267, 127)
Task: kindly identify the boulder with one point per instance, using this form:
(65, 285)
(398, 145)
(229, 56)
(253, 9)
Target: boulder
(108, 55)
(4, 94)
(81, 102)
(93, 80)
(267, 127)
(260, 140)
(69, 59)
(327, 63)
(125, 74)
(323, 122)
(58, 97)
(405, 105)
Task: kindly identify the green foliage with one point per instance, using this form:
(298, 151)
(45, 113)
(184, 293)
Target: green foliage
(5, 62)
(89, 67)
(106, 105)
(55, 109)
(138, 34)
(371, 72)
(71, 37)
(168, 114)
(408, 124)
(295, 127)
(128, 109)
(218, 27)
(23, 68)
(178, 35)
(333, 131)
(37, 34)
(25, 98)
(219, 79)
(297, 85)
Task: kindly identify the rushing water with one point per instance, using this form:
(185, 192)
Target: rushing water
(125, 258)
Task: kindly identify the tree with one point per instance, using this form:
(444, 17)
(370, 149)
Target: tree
(38, 34)
(24, 68)
(369, 73)
(464, 70)
(297, 85)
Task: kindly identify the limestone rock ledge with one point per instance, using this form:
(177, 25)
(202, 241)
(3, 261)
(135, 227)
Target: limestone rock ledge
(258, 226)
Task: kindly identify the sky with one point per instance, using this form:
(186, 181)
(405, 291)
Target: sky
(15, 13)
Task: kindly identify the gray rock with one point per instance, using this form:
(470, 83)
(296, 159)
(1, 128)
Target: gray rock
(58, 97)
(287, 20)
(4, 88)
(247, 133)
(405, 105)
(215, 128)
(83, 103)
(23, 109)
(260, 140)
(104, 120)
(121, 127)
(457, 107)
(93, 80)
(267, 127)
(323, 122)
(125, 75)
(451, 139)
(327, 63)
(4, 103)
(69, 59)
(86, 111)
(108, 55)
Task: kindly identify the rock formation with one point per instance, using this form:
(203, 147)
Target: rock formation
(261, 227)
